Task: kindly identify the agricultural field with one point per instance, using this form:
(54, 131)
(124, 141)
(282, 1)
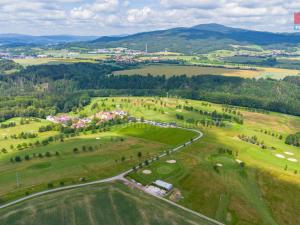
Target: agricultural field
(172, 70)
(221, 175)
(39, 61)
(105, 204)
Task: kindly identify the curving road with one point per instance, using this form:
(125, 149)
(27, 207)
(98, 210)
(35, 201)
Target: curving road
(121, 177)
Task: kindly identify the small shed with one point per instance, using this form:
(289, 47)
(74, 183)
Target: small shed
(163, 185)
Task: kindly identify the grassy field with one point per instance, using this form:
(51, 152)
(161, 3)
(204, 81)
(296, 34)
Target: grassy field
(231, 193)
(105, 204)
(112, 152)
(207, 174)
(169, 136)
(39, 61)
(32, 127)
(171, 70)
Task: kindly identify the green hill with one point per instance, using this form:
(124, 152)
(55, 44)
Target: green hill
(197, 39)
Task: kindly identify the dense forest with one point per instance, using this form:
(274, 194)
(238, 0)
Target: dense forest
(48, 89)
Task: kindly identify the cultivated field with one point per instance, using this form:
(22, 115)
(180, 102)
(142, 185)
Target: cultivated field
(172, 70)
(39, 61)
(105, 204)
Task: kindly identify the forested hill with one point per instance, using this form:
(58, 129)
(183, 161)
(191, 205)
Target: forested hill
(197, 39)
(62, 87)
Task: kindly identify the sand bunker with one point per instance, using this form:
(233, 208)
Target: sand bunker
(147, 171)
(292, 160)
(219, 165)
(280, 156)
(238, 161)
(172, 161)
(97, 138)
(288, 153)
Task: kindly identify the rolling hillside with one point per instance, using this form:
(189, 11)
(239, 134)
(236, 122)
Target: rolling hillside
(198, 39)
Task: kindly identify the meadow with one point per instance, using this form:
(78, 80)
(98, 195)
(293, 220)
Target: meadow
(192, 70)
(85, 58)
(105, 204)
(98, 155)
(261, 190)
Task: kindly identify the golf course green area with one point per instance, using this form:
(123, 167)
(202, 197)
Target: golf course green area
(105, 204)
(88, 156)
(224, 175)
(169, 136)
(28, 125)
(240, 172)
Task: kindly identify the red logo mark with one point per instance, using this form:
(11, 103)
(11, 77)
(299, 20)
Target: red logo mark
(297, 18)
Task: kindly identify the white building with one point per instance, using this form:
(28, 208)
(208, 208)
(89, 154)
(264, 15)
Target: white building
(163, 185)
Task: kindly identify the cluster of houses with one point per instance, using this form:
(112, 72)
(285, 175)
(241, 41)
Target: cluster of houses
(77, 122)
(110, 115)
(74, 121)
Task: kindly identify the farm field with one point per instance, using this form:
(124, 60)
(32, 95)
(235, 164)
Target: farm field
(170, 70)
(231, 192)
(105, 204)
(39, 61)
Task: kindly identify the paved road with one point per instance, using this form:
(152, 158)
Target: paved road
(121, 177)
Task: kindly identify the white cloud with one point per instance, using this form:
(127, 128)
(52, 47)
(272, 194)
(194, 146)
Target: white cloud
(128, 16)
(204, 4)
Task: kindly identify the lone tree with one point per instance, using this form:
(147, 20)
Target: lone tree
(75, 150)
(139, 154)
(18, 159)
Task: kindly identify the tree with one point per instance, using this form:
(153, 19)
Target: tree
(75, 150)
(139, 154)
(146, 162)
(18, 159)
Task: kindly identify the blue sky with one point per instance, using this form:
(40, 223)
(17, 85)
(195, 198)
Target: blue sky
(111, 17)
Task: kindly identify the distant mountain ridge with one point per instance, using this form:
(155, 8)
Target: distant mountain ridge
(200, 38)
(20, 39)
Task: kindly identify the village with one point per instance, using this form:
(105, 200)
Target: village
(77, 122)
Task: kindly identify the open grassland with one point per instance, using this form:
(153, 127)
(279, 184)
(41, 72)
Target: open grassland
(105, 204)
(169, 136)
(39, 61)
(98, 155)
(33, 126)
(231, 193)
(175, 70)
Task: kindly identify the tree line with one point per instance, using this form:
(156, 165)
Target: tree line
(48, 89)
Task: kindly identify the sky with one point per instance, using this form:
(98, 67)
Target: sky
(118, 17)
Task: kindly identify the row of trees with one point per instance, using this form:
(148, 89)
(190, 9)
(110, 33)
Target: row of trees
(28, 157)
